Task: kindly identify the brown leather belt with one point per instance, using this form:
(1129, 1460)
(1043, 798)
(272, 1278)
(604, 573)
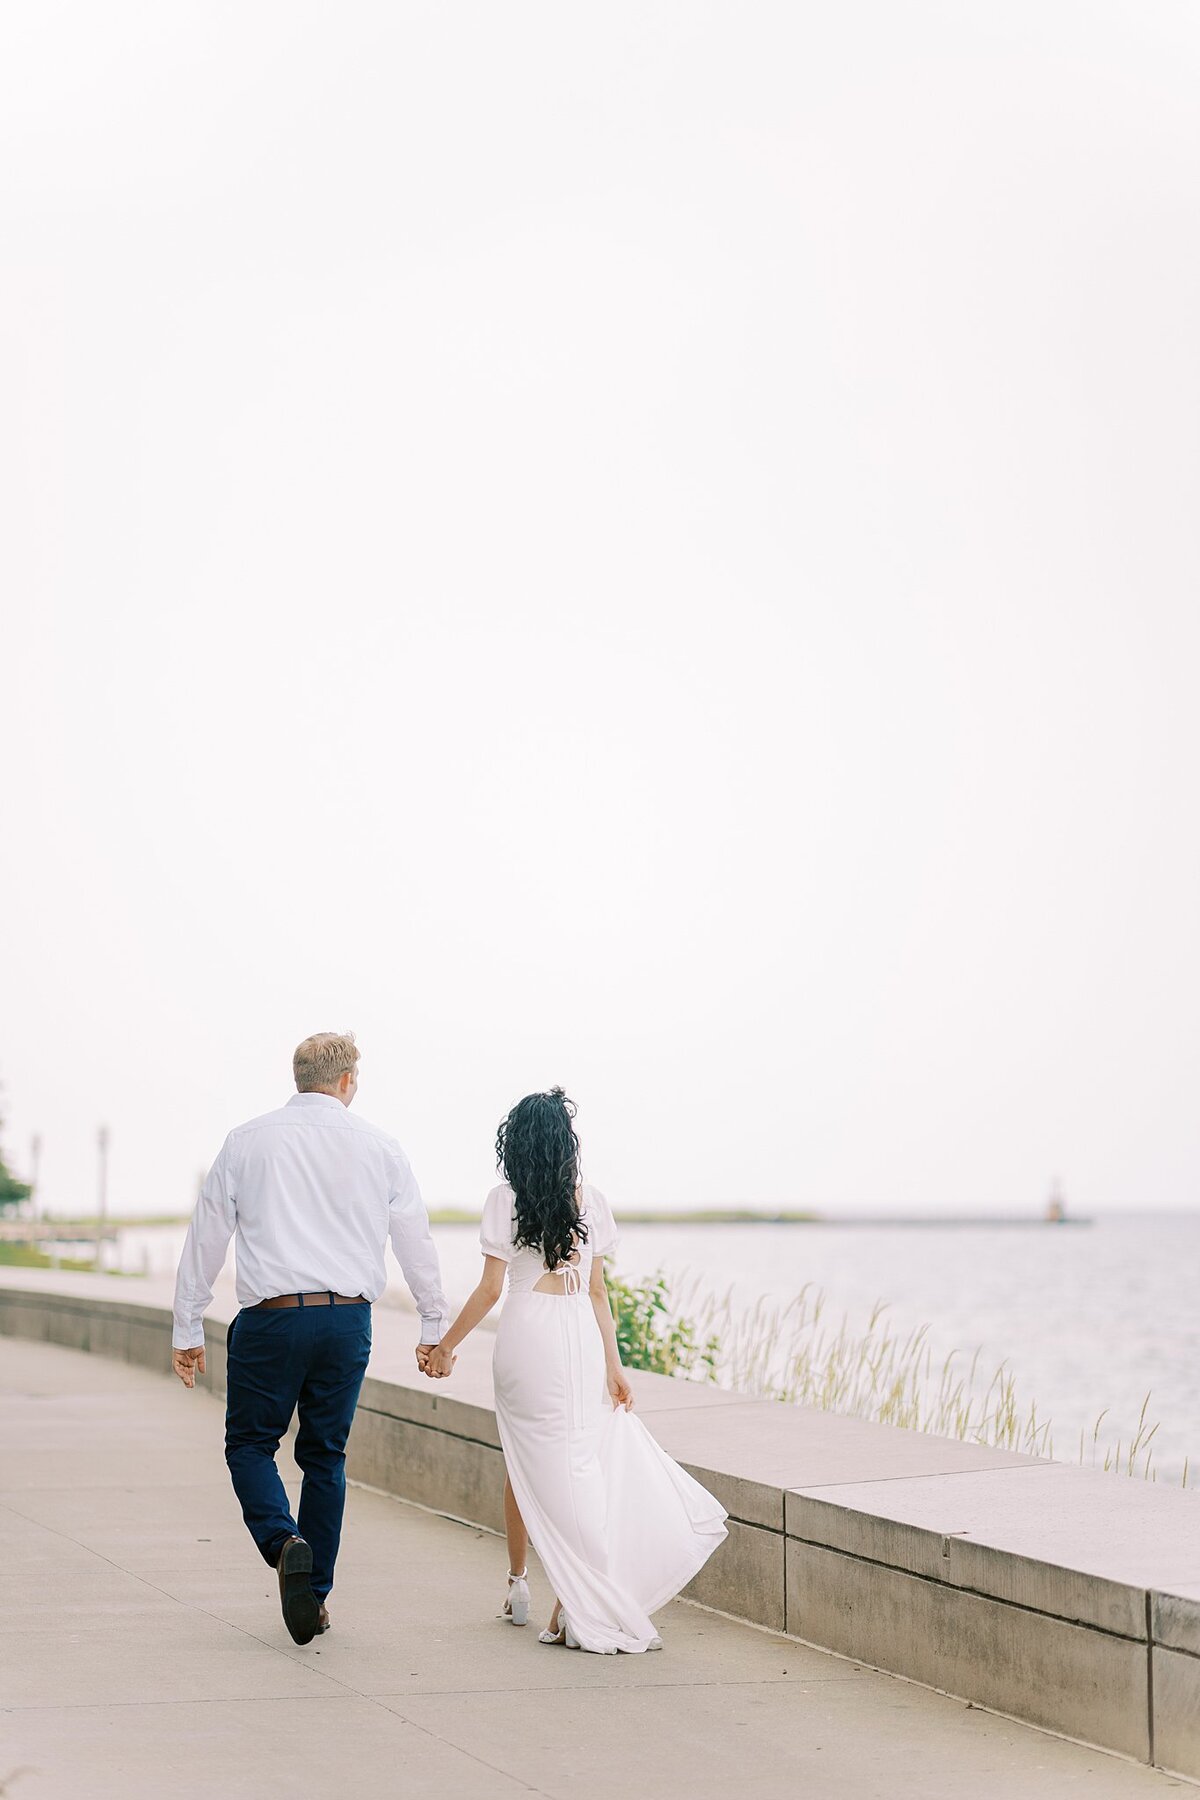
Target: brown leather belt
(323, 1298)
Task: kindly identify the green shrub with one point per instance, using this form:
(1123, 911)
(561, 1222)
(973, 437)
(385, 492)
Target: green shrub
(649, 1337)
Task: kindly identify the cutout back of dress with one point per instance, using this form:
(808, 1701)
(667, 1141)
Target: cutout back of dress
(567, 1280)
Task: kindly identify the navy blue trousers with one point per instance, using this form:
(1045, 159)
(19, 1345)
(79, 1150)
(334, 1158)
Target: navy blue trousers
(313, 1358)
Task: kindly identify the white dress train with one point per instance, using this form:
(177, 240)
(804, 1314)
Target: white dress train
(620, 1528)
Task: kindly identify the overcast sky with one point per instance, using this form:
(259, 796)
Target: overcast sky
(646, 546)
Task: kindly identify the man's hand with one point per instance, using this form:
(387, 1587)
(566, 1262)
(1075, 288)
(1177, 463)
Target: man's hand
(423, 1352)
(186, 1364)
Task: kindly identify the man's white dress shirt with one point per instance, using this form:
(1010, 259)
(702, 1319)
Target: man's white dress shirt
(312, 1194)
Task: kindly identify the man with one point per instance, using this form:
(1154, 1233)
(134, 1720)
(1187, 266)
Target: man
(311, 1195)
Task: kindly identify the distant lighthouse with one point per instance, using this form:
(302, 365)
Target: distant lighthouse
(1056, 1205)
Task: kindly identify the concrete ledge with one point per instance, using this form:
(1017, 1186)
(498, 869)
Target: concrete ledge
(746, 1577)
(1064, 1598)
(1176, 1712)
(949, 1555)
(439, 1469)
(1047, 1671)
(1175, 1619)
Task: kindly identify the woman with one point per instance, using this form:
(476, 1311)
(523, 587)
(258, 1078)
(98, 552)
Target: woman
(619, 1527)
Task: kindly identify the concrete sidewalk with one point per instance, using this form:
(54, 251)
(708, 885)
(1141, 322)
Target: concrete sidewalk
(143, 1654)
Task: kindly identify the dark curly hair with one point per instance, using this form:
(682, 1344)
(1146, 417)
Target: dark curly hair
(537, 1152)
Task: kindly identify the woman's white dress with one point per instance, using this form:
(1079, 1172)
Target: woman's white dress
(620, 1528)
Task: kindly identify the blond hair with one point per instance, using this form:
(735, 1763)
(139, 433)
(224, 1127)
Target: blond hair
(321, 1060)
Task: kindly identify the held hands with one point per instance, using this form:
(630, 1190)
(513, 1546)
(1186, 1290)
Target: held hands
(435, 1362)
(187, 1363)
(619, 1389)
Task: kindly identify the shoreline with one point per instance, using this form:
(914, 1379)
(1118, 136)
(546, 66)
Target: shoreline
(27, 1230)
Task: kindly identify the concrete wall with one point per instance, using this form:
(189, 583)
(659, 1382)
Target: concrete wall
(1067, 1599)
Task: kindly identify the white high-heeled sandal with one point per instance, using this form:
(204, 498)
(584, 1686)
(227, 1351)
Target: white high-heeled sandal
(564, 1634)
(516, 1606)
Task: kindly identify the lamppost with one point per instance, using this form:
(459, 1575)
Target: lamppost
(35, 1159)
(101, 1193)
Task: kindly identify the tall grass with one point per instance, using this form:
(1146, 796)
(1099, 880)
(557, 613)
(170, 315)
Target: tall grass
(798, 1352)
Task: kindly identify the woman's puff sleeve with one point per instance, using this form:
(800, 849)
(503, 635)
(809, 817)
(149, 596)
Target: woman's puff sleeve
(602, 1227)
(496, 1227)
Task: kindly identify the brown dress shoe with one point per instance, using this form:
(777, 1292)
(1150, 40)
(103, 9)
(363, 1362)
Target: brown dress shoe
(301, 1609)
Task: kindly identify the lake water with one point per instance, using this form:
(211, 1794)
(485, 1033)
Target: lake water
(1087, 1317)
